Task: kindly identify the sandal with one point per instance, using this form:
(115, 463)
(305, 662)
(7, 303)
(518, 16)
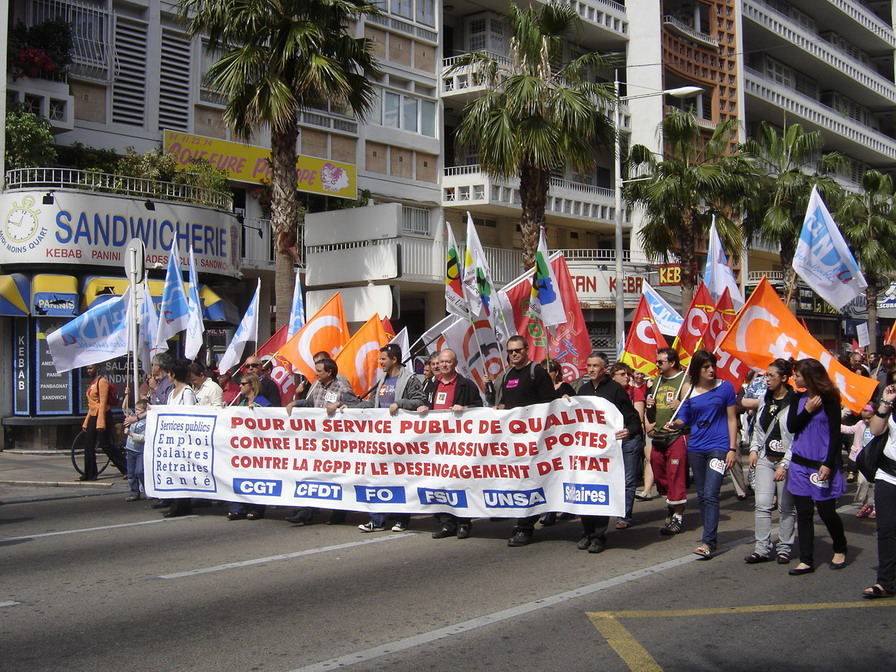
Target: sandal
(254, 515)
(622, 525)
(704, 551)
(756, 558)
(783, 559)
(876, 591)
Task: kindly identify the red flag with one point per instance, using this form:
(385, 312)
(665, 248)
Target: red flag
(388, 329)
(325, 331)
(695, 322)
(856, 347)
(570, 344)
(728, 367)
(643, 340)
(282, 372)
(359, 359)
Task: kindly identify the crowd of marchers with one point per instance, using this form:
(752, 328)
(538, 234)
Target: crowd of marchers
(683, 426)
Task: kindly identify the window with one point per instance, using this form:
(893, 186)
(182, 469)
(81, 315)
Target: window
(91, 32)
(426, 12)
(403, 8)
(409, 113)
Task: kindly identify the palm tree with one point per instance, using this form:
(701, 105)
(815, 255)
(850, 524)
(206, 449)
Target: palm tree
(680, 192)
(787, 165)
(277, 58)
(868, 223)
(537, 114)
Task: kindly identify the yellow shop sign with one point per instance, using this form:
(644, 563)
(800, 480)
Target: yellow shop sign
(248, 163)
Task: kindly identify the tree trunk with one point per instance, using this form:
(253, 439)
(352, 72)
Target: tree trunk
(687, 259)
(871, 298)
(284, 206)
(788, 249)
(534, 184)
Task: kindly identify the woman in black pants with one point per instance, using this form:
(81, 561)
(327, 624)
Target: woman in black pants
(815, 479)
(885, 499)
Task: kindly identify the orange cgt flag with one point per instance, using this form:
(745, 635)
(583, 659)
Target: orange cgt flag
(765, 330)
(695, 322)
(360, 358)
(325, 331)
(643, 340)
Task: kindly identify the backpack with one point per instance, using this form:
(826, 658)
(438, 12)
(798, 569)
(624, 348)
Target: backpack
(112, 396)
(872, 457)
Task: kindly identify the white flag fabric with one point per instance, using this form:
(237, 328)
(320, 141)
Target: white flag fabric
(402, 340)
(480, 291)
(823, 259)
(100, 334)
(195, 326)
(297, 314)
(434, 337)
(718, 275)
(455, 301)
(545, 303)
(667, 319)
(247, 331)
(149, 325)
(173, 311)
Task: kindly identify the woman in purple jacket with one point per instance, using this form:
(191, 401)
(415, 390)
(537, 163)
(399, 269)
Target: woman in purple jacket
(815, 479)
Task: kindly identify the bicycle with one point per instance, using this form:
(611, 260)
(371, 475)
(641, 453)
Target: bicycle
(102, 460)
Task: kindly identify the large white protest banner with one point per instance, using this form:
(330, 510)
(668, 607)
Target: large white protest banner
(561, 456)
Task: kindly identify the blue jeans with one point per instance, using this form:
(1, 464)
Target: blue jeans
(135, 471)
(632, 452)
(708, 481)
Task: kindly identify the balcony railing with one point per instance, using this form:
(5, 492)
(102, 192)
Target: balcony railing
(788, 29)
(774, 277)
(821, 115)
(867, 19)
(604, 13)
(66, 178)
(684, 30)
(257, 244)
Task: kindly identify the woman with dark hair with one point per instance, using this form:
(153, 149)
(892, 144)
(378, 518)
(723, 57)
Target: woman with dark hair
(712, 447)
(885, 498)
(555, 371)
(250, 396)
(814, 474)
(97, 424)
(182, 394)
(632, 447)
(770, 457)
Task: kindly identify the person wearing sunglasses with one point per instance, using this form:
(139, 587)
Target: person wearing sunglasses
(523, 383)
(269, 389)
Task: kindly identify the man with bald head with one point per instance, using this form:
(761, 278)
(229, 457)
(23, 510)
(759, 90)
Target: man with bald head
(450, 391)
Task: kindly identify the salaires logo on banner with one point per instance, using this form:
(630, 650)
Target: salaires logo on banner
(561, 456)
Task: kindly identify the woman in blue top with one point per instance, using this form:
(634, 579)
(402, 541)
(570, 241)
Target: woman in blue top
(815, 479)
(712, 445)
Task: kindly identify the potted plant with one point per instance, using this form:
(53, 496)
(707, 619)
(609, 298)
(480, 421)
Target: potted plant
(43, 49)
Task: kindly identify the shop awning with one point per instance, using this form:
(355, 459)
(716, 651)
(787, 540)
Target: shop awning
(215, 308)
(54, 295)
(15, 295)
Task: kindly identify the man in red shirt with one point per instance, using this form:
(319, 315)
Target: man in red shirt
(450, 391)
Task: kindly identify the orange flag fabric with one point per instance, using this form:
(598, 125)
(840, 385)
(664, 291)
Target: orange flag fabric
(765, 330)
(326, 330)
(695, 322)
(360, 358)
(643, 340)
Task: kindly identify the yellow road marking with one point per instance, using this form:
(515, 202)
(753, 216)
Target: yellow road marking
(638, 659)
(627, 647)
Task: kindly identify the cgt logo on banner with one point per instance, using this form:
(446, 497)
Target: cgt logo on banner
(561, 456)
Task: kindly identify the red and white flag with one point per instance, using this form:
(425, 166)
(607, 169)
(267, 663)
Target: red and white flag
(643, 340)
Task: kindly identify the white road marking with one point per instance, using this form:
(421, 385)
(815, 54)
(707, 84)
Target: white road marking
(286, 556)
(9, 604)
(503, 615)
(94, 529)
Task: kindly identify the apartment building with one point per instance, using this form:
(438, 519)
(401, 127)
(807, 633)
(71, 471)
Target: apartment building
(137, 81)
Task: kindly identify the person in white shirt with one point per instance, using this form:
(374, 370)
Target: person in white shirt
(208, 392)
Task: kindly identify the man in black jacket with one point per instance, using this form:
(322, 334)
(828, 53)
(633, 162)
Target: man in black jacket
(600, 385)
(450, 391)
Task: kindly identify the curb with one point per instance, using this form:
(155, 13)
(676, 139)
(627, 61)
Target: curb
(59, 484)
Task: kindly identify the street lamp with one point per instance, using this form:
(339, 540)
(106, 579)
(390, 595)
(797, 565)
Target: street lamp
(679, 92)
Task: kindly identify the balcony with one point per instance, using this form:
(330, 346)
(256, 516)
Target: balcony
(465, 84)
(774, 277)
(571, 202)
(841, 133)
(257, 244)
(857, 78)
(603, 19)
(67, 178)
(867, 20)
(683, 30)
(46, 98)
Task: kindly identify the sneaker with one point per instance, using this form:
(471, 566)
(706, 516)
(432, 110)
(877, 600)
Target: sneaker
(370, 527)
(520, 539)
(400, 527)
(463, 531)
(444, 533)
(672, 527)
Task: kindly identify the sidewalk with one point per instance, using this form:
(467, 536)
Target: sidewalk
(32, 476)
